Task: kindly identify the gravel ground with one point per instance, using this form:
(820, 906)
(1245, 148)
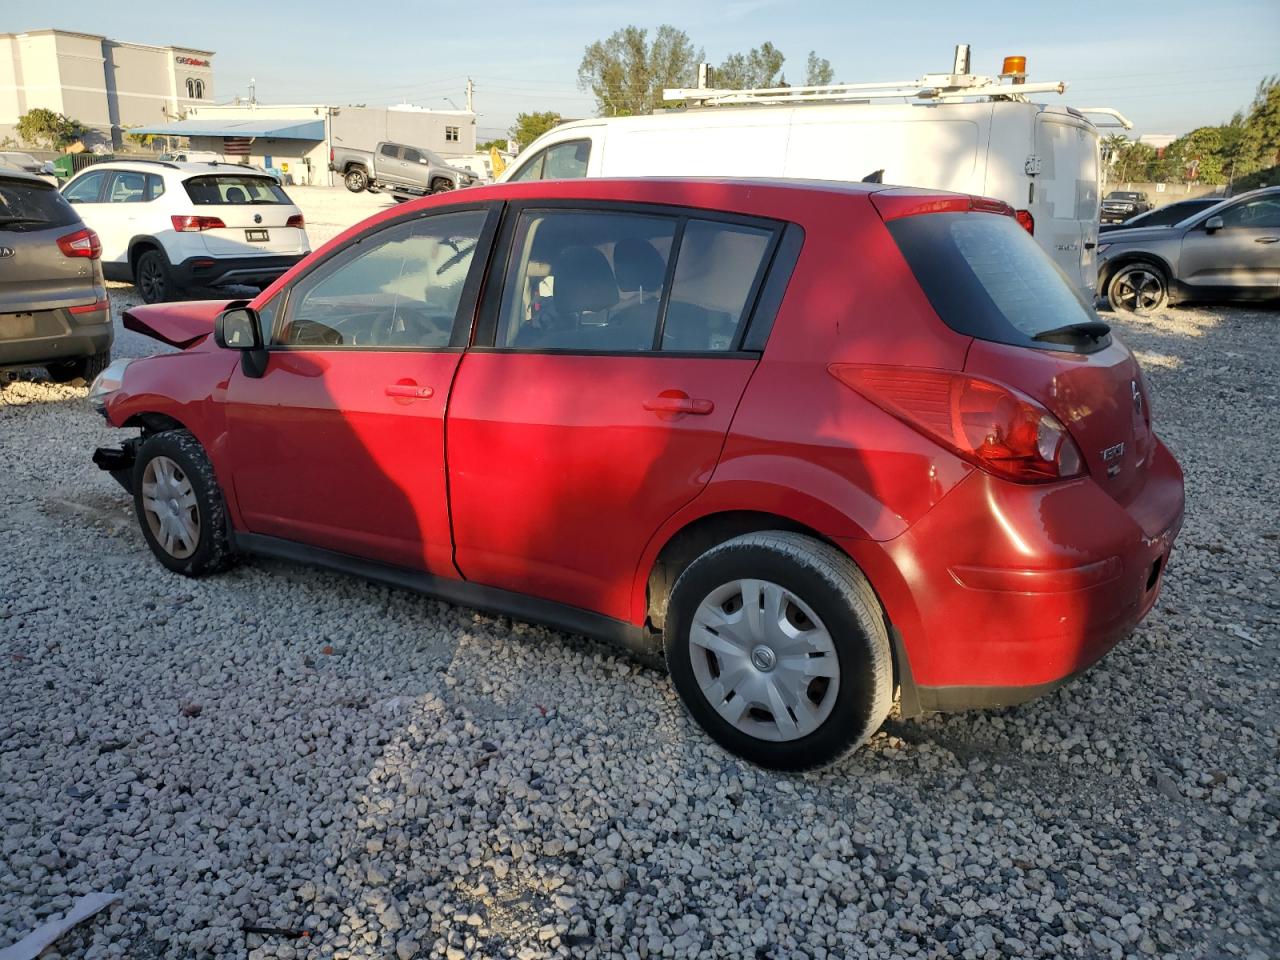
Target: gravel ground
(403, 778)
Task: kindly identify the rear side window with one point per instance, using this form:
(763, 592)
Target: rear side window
(987, 278)
(390, 151)
(26, 206)
(227, 188)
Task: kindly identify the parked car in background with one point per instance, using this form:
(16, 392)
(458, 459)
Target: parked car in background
(680, 418)
(1121, 205)
(1043, 160)
(53, 299)
(397, 168)
(1165, 216)
(26, 162)
(1231, 251)
(167, 226)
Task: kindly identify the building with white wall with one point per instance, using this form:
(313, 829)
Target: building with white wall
(296, 139)
(110, 86)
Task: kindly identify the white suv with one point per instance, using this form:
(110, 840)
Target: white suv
(167, 225)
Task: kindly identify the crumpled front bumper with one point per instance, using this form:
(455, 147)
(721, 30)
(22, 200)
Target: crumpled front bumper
(118, 461)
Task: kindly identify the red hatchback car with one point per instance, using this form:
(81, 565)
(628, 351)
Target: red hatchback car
(811, 442)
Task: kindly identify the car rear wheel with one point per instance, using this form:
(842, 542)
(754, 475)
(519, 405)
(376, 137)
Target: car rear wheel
(1140, 288)
(86, 368)
(179, 504)
(778, 647)
(355, 180)
(152, 277)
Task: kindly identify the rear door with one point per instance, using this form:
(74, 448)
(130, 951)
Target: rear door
(1243, 257)
(1066, 195)
(340, 444)
(389, 163)
(595, 402)
(254, 211)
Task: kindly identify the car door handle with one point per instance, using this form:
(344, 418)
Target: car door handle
(1267, 240)
(1089, 246)
(680, 404)
(409, 391)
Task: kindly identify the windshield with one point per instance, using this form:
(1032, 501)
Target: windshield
(26, 206)
(987, 278)
(229, 189)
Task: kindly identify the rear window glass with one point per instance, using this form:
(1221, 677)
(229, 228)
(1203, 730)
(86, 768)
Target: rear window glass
(32, 206)
(987, 278)
(226, 188)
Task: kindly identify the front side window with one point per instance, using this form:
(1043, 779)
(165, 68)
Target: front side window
(595, 281)
(400, 288)
(1262, 214)
(561, 161)
(127, 186)
(230, 188)
(86, 188)
(412, 156)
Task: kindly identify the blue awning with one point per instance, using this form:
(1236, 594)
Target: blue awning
(279, 128)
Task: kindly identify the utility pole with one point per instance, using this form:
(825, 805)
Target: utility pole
(471, 89)
(253, 92)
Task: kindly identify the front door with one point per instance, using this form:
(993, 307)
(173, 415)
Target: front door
(341, 443)
(390, 164)
(595, 404)
(88, 194)
(1241, 257)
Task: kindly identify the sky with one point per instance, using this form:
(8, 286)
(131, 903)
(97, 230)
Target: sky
(1189, 65)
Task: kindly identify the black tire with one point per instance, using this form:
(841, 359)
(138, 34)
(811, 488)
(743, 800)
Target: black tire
(86, 368)
(211, 551)
(833, 587)
(1141, 288)
(153, 278)
(355, 180)
(441, 185)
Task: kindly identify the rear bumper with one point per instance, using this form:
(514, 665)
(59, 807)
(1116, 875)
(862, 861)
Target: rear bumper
(51, 336)
(1004, 592)
(221, 271)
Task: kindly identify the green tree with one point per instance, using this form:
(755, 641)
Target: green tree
(817, 71)
(529, 126)
(1259, 146)
(627, 73)
(500, 143)
(43, 127)
(759, 67)
(1134, 162)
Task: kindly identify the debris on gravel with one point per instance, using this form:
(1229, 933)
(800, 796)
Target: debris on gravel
(370, 773)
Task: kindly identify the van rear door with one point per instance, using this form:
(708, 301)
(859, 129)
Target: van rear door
(1065, 204)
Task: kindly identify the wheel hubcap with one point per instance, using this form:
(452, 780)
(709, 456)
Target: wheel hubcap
(764, 660)
(1139, 291)
(169, 505)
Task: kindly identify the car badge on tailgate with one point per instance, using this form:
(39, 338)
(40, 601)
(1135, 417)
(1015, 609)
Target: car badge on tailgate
(1113, 453)
(6, 252)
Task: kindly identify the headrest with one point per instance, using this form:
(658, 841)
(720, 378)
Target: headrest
(584, 281)
(638, 265)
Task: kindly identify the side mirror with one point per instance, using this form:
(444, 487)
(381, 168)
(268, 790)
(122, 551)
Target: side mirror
(423, 161)
(1213, 224)
(237, 329)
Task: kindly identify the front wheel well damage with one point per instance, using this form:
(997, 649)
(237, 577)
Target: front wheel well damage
(152, 423)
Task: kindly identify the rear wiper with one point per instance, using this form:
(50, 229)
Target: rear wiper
(1092, 329)
(8, 220)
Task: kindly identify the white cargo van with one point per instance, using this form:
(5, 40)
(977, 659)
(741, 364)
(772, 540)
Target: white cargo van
(957, 132)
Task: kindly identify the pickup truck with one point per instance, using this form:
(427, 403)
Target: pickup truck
(398, 169)
(1121, 205)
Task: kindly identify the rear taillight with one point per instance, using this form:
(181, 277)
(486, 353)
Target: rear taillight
(189, 224)
(1026, 221)
(297, 220)
(94, 307)
(82, 243)
(992, 426)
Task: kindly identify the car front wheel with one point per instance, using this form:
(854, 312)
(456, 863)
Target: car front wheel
(778, 647)
(179, 504)
(1138, 288)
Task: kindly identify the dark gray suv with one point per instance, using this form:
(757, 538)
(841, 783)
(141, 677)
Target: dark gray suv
(1229, 252)
(53, 300)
